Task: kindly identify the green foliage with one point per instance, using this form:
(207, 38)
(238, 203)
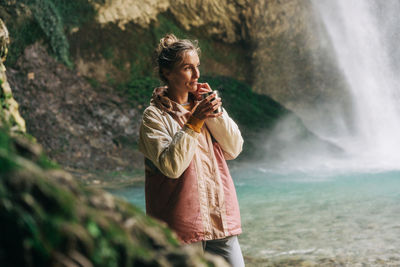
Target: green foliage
(4, 107)
(166, 24)
(6, 151)
(22, 35)
(3, 99)
(46, 163)
(75, 13)
(93, 82)
(50, 21)
(108, 52)
(93, 229)
(139, 90)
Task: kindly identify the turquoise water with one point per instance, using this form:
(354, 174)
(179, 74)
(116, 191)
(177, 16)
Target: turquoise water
(347, 218)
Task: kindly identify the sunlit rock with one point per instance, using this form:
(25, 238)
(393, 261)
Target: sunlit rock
(9, 106)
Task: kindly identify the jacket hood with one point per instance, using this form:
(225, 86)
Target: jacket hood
(162, 101)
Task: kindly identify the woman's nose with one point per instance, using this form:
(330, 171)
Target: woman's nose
(196, 73)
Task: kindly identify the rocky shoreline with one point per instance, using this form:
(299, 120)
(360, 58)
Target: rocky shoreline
(108, 180)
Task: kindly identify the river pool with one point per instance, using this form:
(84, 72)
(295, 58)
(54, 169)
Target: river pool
(314, 219)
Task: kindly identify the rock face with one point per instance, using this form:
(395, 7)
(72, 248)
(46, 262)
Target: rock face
(288, 61)
(125, 11)
(219, 18)
(79, 126)
(9, 107)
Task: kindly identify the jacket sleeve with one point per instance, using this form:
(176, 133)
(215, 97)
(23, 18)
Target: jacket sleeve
(227, 134)
(170, 153)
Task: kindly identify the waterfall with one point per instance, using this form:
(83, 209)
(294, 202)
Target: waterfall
(364, 35)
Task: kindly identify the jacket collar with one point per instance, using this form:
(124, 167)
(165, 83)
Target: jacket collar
(161, 100)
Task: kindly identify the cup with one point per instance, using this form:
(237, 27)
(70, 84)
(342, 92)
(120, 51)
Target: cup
(205, 95)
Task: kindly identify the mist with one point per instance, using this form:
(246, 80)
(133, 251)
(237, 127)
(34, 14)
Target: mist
(363, 36)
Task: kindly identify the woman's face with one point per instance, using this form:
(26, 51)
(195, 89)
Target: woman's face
(183, 77)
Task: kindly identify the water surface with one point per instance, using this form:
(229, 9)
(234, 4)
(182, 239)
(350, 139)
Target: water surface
(346, 218)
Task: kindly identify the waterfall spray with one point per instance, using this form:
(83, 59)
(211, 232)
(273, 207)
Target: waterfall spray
(363, 36)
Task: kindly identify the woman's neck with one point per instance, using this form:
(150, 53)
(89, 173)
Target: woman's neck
(178, 97)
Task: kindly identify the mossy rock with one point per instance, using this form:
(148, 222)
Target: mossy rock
(52, 220)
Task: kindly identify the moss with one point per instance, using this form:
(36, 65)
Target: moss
(7, 163)
(93, 82)
(93, 229)
(52, 20)
(46, 163)
(55, 200)
(167, 24)
(47, 217)
(40, 209)
(108, 52)
(47, 16)
(3, 100)
(171, 239)
(22, 34)
(105, 255)
(111, 80)
(75, 13)
(139, 90)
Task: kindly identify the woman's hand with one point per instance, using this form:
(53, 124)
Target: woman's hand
(202, 88)
(205, 108)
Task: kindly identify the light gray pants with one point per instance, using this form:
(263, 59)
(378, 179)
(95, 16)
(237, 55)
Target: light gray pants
(228, 248)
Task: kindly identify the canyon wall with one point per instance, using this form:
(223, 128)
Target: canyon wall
(282, 38)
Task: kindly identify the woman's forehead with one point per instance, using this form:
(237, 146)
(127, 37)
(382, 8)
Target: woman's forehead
(190, 57)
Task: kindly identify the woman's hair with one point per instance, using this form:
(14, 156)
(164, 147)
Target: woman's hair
(170, 51)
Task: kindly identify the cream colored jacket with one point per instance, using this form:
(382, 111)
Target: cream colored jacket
(171, 147)
(188, 184)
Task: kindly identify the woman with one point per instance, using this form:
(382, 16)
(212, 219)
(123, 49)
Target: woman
(185, 144)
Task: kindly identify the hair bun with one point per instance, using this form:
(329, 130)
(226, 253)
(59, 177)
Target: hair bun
(167, 41)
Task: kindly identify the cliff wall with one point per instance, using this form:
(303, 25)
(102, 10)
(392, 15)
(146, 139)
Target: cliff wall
(287, 61)
(10, 116)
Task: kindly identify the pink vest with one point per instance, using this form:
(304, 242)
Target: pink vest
(202, 203)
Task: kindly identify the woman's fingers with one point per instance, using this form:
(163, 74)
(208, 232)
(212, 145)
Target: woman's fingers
(202, 90)
(216, 101)
(206, 107)
(207, 86)
(215, 115)
(210, 97)
(204, 86)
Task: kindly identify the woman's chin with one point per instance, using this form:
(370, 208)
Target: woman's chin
(192, 89)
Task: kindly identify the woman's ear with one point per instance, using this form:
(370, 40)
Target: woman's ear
(166, 73)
